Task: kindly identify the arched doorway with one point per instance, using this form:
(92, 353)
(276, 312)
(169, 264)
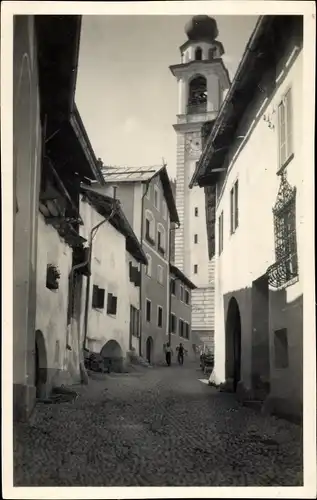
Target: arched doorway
(233, 343)
(112, 356)
(149, 349)
(40, 365)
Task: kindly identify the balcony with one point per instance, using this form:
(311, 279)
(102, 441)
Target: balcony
(283, 272)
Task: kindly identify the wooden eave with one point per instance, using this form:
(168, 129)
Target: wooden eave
(182, 277)
(266, 45)
(168, 194)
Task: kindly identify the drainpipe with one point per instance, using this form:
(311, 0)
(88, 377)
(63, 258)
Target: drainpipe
(170, 289)
(93, 233)
(142, 225)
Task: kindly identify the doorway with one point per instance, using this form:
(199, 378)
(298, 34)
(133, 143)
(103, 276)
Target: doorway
(260, 338)
(149, 349)
(233, 343)
(40, 365)
(112, 356)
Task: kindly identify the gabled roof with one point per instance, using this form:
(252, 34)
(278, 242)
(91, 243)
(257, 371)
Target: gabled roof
(130, 174)
(268, 42)
(104, 206)
(181, 276)
(116, 175)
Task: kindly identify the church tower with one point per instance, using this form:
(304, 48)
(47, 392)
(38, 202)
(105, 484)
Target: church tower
(202, 80)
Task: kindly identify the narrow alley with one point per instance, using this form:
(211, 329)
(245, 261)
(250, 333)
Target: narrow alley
(155, 427)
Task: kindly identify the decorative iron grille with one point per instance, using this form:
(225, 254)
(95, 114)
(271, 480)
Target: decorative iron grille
(286, 266)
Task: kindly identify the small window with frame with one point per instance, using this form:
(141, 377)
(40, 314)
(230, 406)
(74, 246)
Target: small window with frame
(98, 297)
(157, 198)
(159, 316)
(112, 305)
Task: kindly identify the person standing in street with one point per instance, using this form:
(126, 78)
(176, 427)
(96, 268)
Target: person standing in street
(168, 353)
(180, 353)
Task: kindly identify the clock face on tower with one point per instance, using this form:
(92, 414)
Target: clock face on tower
(193, 143)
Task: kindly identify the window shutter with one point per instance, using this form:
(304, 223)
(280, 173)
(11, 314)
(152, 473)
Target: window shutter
(282, 132)
(236, 205)
(114, 305)
(95, 296)
(289, 124)
(231, 211)
(131, 271)
(101, 301)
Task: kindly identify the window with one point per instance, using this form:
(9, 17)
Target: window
(149, 227)
(161, 242)
(134, 321)
(234, 210)
(281, 348)
(187, 297)
(181, 328)
(195, 238)
(112, 304)
(285, 238)
(198, 54)
(159, 316)
(212, 53)
(156, 198)
(181, 293)
(164, 209)
(197, 95)
(285, 267)
(134, 274)
(173, 323)
(173, 286)
(149, 265)
(285, 128)
(148, 310)
(186, 330)
(195, 269)
(196, 211)
(98, 297)
(220, 232)
(160, 274)
(147, 191)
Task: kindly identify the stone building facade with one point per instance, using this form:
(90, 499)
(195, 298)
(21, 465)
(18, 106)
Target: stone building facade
(253, 157)
(147, 199)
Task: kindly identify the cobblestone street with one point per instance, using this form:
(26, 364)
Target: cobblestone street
(155, 427)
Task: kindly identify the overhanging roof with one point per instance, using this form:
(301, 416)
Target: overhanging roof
(182, 277)
(117, 175)
(268, 40)
(66, 139)
(104, 206)
(57, 50)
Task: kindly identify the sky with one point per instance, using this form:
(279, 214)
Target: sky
(126, 94)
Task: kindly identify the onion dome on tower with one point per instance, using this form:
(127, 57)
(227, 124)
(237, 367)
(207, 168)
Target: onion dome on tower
(202, 29)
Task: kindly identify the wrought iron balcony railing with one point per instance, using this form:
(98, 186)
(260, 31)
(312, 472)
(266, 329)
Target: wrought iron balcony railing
(282, 271)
